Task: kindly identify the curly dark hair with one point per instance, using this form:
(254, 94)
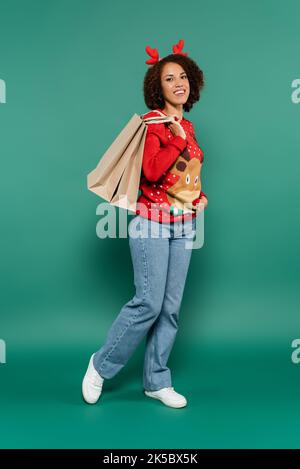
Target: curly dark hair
(153, 95)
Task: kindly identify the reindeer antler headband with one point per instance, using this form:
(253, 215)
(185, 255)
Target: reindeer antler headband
(177, 49)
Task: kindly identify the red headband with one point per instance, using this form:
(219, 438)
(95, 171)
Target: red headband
(177, 49)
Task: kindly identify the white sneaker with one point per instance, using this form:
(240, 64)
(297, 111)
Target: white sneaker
(92, 384)
(168, 396)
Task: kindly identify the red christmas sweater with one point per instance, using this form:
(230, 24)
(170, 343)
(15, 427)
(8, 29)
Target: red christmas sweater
(170, 179)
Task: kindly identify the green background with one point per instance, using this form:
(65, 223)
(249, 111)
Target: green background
(74, 74)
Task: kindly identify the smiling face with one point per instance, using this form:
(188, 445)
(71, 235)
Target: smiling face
(175, 84)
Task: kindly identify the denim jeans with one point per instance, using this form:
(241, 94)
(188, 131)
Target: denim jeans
(160, 259)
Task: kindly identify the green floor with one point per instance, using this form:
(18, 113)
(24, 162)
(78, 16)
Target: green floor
(238, 397)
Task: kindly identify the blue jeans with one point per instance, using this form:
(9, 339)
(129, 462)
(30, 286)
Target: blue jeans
(160, 260)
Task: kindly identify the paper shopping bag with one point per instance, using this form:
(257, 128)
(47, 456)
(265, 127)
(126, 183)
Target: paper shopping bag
(116, 178)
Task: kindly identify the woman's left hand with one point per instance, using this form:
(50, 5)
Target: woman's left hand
(204, 200)
(201, 203)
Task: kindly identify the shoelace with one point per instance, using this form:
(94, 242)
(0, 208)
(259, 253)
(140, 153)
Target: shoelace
(96, 380)
(171, 388)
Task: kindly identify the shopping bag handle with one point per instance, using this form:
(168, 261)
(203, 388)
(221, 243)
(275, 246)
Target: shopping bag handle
(157, 120)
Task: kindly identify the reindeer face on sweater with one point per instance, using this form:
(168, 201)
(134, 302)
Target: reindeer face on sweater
(188, 185)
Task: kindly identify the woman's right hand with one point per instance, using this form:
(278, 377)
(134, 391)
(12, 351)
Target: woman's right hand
(177, 129)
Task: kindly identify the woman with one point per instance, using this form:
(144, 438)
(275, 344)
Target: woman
(170, 199)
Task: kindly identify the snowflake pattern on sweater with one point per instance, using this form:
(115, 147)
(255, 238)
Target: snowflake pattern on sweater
(170, 181)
